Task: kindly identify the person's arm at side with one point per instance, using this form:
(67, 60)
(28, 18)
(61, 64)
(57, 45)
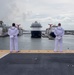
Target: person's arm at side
(63, 32)
(55, 31)
(8, 31)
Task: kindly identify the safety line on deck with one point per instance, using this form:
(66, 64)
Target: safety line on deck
(4, 55)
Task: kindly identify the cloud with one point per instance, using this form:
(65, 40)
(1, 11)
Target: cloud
(11, 11)
(44, 11)
(5, 9)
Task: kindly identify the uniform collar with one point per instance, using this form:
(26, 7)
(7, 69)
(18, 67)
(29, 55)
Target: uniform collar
(12, 28)
(59, 27)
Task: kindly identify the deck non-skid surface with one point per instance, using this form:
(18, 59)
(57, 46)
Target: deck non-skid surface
(37, 64)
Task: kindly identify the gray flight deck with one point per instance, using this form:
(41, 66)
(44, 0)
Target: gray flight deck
(37, 64)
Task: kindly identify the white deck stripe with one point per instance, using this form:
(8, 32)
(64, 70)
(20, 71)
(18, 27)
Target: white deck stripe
(4, 55)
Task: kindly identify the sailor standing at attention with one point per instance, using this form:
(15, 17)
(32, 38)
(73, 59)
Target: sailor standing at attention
(13, 32)
(59, 32)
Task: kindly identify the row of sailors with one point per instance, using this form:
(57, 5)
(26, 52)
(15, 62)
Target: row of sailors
(58, 35)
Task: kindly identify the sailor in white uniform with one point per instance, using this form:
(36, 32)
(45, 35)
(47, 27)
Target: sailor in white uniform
(59, 32)
(13, 32)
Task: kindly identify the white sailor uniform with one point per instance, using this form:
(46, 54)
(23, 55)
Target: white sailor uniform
(13, 32)
(59, 32)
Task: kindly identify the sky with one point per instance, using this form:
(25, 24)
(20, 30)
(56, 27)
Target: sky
(26, 12)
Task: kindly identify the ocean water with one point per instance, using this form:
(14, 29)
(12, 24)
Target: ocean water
(28, 43)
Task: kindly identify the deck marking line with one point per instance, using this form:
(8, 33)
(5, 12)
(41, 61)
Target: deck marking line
(4, 55)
